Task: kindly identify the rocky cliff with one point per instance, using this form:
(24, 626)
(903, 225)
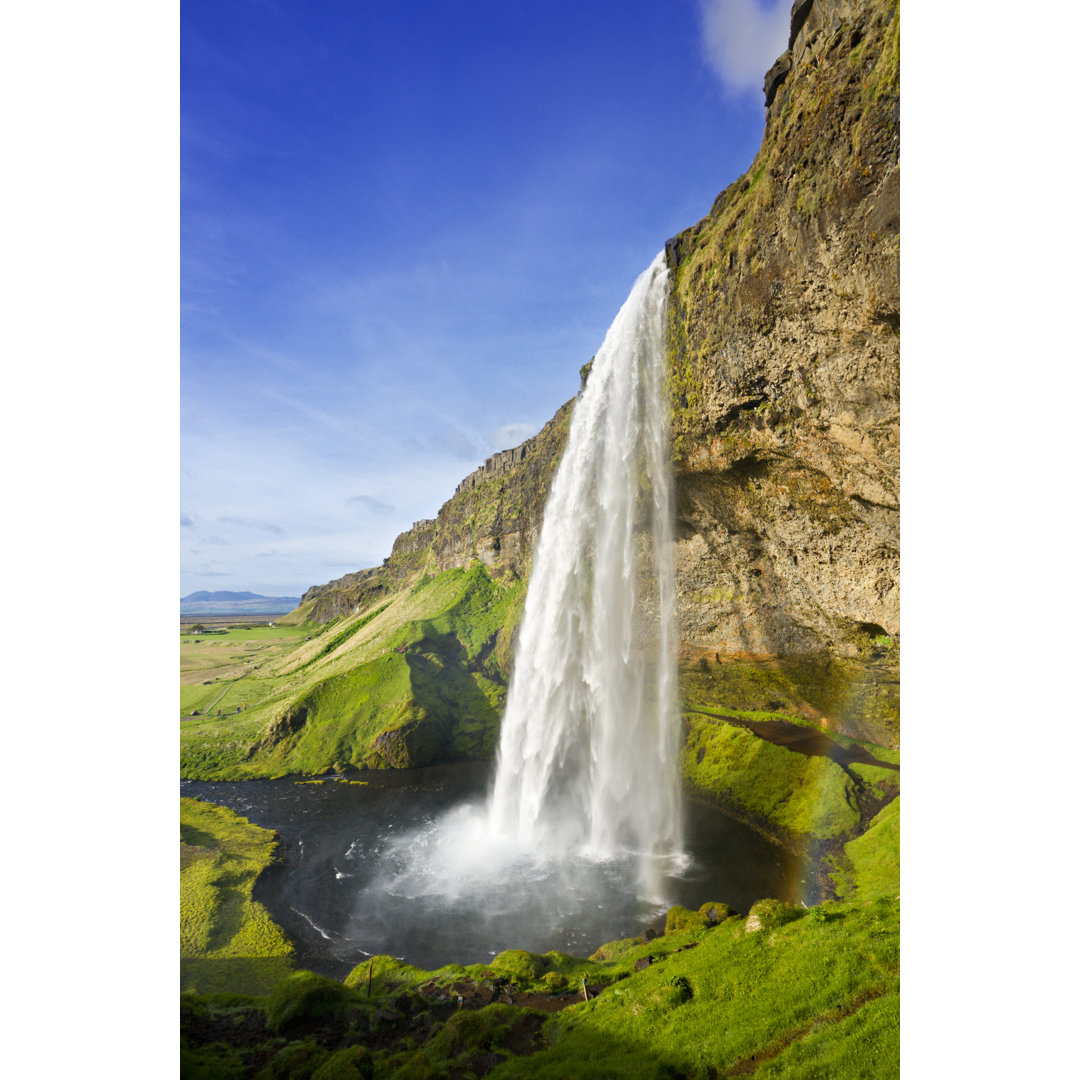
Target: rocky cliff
(784, 321)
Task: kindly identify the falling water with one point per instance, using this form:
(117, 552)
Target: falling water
(583, 826)
(588, 754)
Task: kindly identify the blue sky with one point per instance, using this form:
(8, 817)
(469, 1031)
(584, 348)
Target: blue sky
(404, 227)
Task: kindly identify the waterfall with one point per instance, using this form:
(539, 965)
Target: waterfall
(588, 757)
(586, 792)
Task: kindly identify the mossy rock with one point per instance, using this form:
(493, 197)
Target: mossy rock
(678, 991)
(771, 915)
(612, 950)
(296, 1061)
(680, 918)
(303, 996)
(412, 745)
(713, 912)
(465, 1032)
(417, 1066)
(351, 1063)
(518, 965)
(553, 980)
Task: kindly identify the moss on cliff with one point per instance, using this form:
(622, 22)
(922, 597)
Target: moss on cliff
(789, 795)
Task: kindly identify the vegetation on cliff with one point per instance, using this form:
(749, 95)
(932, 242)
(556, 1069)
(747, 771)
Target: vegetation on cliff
(784, 345)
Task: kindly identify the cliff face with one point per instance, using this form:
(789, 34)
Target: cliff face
(784, 327)
(784, 331)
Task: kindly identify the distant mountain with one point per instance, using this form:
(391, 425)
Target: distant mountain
(235, 603)
(214, 596)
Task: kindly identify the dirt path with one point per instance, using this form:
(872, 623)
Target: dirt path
(224, 690)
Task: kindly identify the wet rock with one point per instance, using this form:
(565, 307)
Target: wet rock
(643, 963)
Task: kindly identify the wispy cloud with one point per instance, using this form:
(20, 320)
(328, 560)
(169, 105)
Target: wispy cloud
(510, 435)
(742, 38)
(376, 506)
(250, 523)
(186, 520)
(460, 445)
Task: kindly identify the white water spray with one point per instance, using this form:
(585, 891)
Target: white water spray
(588, 754)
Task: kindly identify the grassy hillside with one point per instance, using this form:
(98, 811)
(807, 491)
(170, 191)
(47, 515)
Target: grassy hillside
(418, 675)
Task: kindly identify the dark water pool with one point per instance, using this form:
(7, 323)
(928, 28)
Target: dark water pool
(351, 883)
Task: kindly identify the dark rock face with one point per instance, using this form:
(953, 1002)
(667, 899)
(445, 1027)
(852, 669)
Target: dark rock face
(785, 359)
(775, 76)
(419, 742)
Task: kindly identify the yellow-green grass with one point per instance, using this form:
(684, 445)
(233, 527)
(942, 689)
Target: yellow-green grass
(228, 942)
(738, 995)
(872, 867)
(830, 693)
(248, 633)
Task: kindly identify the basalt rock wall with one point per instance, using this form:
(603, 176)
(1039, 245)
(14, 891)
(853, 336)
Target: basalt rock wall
(784, 321)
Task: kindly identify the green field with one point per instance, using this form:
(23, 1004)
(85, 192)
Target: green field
(222, 669)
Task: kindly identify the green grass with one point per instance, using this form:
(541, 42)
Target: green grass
(247, 633)
(873, 859)
(228, 942)
(812, 993)
(842, 696)
(804, 796)
(736, 995)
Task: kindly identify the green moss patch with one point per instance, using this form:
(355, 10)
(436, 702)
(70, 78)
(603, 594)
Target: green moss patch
(801, 796)
(871, 867)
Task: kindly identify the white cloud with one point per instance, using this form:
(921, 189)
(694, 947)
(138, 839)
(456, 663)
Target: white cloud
(249, 523)
(370, 502)
(742, 38)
